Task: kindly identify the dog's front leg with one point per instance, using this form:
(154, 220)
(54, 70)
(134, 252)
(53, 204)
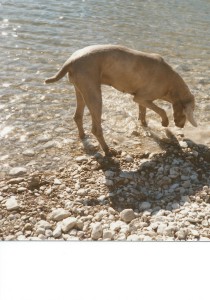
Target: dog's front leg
(149, 104)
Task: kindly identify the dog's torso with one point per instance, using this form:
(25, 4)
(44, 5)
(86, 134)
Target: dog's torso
(129, 71)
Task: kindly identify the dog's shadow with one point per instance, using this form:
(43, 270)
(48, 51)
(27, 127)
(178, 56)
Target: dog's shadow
(161, 180)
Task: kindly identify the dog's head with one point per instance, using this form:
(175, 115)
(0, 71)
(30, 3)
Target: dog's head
(183, 110)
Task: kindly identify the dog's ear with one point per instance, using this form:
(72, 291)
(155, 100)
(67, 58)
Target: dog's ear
(188, 111)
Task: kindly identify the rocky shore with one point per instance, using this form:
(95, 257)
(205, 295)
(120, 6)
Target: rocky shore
(136, 196)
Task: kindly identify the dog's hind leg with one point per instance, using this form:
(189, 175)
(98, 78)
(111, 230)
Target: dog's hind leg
(78, 116)
(142, 115)
(92, 97)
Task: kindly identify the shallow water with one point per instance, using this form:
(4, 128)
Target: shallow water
(36, 37)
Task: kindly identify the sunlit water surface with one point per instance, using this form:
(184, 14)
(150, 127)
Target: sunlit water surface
(36, 37)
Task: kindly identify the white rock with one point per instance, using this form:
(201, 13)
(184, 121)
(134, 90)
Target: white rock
(116, 225)
(57, 181)
(81, 159)
(82, 192)
(68, 224)
(43, 224)
(17, 171)
(108, 234)
(183, 144)
(125, 229)
(12, 203)
(129, 158)
(161, 228)
(127, 215)
(29, 152)
(145, 205)
(79, 225)
(195, 233)
(57, 231)
(59, 214)
(73, 238)
(147, 238)
(133, 238)
(204, 239)
(97, 231)
(121, 237)
(48, 233)
(169, 231)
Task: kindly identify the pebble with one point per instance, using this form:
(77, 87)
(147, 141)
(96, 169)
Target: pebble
(81, 159)
(97, 231)
(12, 203)
(43, 224)
(145, 205)
(57, 232)
(29, 152)
(108, 234)
(68, 224)
(59, 214)
(17, 171)
(133, 238)
(127, 215)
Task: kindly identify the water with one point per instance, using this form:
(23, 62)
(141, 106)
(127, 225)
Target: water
(36, 37)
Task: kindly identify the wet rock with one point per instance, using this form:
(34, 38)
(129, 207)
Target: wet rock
(12, 203)
(59, 214)
(127, 215)
(144, 205)
(17, 171)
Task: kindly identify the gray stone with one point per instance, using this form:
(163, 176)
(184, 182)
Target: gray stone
(59, 214)
(12, 203)
(127, 215)
(17, 171)
(175, 205)
(81, 159)
(43, 224)
(68, 224)
(97, 231)
(145, 205)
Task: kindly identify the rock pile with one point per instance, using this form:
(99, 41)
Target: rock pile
(133, 197)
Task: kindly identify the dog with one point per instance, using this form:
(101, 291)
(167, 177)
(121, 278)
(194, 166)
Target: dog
(146, 76)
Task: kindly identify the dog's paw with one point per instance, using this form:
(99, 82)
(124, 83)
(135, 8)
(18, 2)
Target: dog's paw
(112, 152)
(165, 123)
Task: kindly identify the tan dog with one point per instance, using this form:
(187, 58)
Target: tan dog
(146, 76)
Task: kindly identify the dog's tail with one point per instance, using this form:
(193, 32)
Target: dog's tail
(61, 73)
